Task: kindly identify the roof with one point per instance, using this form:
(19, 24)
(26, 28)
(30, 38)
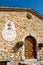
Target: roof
(22, 10)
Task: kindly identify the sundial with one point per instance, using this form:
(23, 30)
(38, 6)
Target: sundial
(9, 32)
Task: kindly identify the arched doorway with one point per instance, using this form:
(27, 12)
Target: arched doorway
(30, 48)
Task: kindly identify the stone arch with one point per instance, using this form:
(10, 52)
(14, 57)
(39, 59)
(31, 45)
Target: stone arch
(30, 46)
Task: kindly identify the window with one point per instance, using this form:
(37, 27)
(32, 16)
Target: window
(29, 16)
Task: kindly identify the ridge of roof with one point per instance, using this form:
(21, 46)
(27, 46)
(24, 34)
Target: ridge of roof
(5, 8)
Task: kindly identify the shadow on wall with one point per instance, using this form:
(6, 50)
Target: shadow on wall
(15, 49)
(40, 46)
(17, 46)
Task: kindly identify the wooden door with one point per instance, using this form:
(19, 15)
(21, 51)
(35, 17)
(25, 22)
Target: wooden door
(29, 49)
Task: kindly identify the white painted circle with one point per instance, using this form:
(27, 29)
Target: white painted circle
(9, 32)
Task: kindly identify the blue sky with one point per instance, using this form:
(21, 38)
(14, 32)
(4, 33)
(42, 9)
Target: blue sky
(37, 5)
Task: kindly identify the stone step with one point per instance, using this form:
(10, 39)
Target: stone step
(31, 62)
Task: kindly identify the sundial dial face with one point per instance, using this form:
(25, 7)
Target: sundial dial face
(9, 32)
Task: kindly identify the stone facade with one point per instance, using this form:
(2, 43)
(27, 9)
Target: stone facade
(24, 27)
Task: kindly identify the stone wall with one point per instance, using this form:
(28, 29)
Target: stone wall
(24, 27)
